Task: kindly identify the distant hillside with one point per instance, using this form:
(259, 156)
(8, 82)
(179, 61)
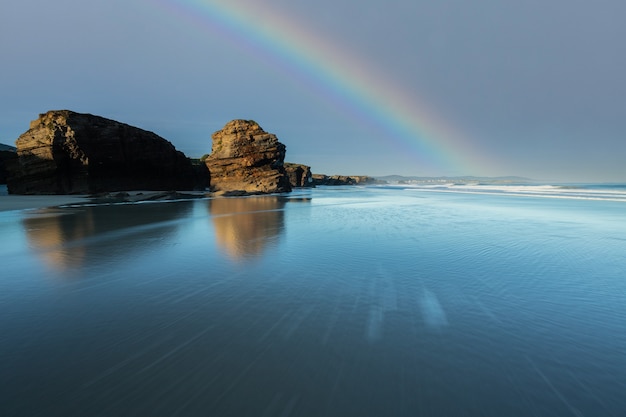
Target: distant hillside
(460, 180)
(9, 148)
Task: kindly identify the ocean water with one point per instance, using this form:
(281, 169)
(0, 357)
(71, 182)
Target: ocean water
(441, 300)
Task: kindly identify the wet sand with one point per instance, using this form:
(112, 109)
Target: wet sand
(24, 202)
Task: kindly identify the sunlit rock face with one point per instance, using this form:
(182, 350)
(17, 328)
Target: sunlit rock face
(246, 158)
(299, 175)
(65, 152)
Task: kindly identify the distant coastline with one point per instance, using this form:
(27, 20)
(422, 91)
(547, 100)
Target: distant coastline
(456, 179)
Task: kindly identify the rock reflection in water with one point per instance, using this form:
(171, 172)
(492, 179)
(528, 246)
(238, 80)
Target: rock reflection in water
(244, 227)
(67, 238)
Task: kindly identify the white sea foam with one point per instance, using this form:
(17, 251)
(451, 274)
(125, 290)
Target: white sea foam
(533, 190)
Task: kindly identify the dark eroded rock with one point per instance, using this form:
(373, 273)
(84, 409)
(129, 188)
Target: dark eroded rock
(299, 175)
(5, 157)
(65, 152)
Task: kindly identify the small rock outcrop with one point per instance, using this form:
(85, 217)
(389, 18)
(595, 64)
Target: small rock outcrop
(245, 158)
(299, 175)
(321, 179)
(65, 152)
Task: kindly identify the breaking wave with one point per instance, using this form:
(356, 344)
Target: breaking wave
(605, 192)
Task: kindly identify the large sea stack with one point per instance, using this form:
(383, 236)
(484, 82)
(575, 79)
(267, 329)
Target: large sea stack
(65, 152)
(245, 158)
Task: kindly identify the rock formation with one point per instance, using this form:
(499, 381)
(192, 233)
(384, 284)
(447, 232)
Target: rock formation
(7, 153)
(320, 179)
(245, 158)
(299, 175)
(65, 152)
(202, 176)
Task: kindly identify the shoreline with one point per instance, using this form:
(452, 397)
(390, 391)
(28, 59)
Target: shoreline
(31, 202)
(15, 202)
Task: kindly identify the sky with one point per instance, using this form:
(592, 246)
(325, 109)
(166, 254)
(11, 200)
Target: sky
(354, 87)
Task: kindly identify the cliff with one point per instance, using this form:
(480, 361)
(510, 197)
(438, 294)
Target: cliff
(245, 158)
(65, 152)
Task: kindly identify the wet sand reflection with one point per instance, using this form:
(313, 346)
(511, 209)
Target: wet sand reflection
(245, 227)
(68, 238)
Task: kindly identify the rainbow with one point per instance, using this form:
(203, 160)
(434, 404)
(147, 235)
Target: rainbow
(343, 80)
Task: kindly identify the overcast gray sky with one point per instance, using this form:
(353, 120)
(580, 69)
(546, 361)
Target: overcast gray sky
(531, 88)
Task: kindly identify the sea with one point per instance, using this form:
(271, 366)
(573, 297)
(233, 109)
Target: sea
(389, 300)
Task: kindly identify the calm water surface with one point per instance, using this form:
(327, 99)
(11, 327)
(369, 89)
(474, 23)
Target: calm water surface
(328, 302)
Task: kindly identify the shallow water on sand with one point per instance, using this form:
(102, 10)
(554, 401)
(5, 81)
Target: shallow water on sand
(342, 301)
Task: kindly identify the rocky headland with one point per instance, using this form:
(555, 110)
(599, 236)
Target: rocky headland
(321, 179)
(65, 152)
(246, 159)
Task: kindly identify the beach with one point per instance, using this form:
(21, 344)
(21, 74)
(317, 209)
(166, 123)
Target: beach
(9, 202)
(337, 301)
(25, 202)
